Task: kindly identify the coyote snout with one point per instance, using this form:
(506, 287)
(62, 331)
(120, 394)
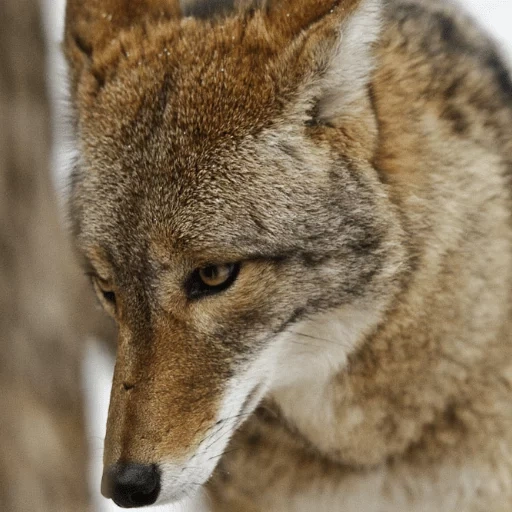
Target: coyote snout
(175, 400)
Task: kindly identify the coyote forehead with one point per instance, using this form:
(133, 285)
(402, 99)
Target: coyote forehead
(209, 83)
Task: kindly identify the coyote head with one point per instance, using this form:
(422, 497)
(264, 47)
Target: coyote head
(224, 191)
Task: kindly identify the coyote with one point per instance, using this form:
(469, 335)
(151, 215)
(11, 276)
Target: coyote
(299, 214)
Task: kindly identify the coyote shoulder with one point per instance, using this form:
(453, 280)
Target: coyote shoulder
(299, 215)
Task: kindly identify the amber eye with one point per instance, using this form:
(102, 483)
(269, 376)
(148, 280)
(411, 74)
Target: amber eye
(215, 275)
(211, 279)
(105, 294)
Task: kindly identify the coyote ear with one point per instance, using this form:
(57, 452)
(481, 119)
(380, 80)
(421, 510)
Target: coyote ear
(93, 24)
(336, 41)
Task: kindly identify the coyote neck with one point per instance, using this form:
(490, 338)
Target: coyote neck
(329, 389)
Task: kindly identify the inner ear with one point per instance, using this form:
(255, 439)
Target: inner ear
(337, 56)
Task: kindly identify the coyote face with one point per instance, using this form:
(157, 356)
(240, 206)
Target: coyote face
(217, 205)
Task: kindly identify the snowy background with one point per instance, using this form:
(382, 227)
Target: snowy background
(494, 15)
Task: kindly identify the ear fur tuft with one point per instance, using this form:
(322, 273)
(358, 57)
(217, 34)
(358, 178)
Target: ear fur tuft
(336, 41)
(351, 63)
(92, 24)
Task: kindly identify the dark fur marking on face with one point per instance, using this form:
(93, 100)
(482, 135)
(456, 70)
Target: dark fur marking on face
(235, 344)
(365, 246)
(296, 316)
(357, 287)
(150, 113)
(311, 260)
(163, 94)
(257, 222)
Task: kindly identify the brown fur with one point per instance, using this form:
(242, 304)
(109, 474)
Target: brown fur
(372, 183)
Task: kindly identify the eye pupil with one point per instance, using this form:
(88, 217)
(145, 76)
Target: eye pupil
(210, 272)
(215, 275)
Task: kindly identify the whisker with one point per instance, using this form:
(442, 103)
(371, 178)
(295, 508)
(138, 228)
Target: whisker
(317, 338)
(225, 452)
(216, 436)
(218, 469)
(238, 416)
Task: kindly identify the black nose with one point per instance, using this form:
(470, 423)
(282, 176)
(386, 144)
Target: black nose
(131, 485)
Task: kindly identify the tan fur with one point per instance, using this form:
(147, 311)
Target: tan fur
(355, 157)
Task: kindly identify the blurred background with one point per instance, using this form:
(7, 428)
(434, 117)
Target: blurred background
(56, 347)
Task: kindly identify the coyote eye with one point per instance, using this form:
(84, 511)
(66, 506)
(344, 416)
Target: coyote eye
(215, 275)
(105, 294)
(211, 279)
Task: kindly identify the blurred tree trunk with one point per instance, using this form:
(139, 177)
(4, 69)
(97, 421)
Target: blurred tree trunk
(44, 310)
